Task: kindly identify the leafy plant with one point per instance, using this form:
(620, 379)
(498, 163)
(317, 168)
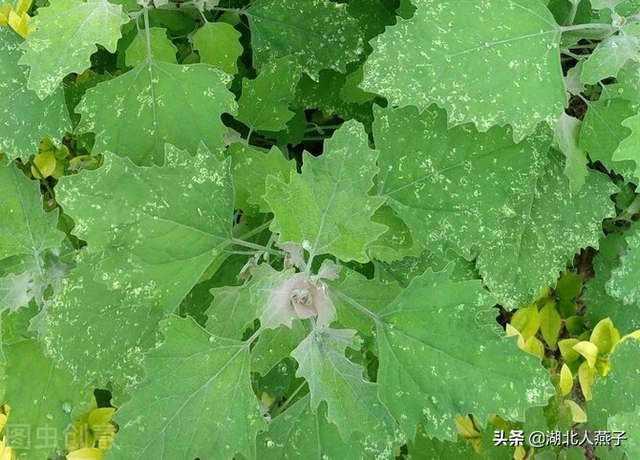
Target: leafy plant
(338, 229)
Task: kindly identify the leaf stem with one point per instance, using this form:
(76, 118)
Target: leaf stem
(283, 406)
(361, 308)
(589, 26)
(256, 230)
(253, 337)
(257, 247)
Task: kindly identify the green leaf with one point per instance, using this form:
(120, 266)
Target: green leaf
(327, 208)
(602, 132)
(250, 169)
(44, 400)
(264, 104)
(483, 64)
(234, 308)
(99, 332)
(627, 423)
(355, 294)
(623, 284)
(66, 37)
(327, 39)
(545, 228)
(274, 345)
(619, 390)
(153, 229)
(428, 335)
(600, 304)
(567, 140)
(324, 95)
(450, 185)
(162, 49)
(628, 148)
(25, 228)
(352, 401)
(218, 44)
(141, 117)
(611, 54)
(24, 118)
(196, 400)
(396, 243)
(299, 432)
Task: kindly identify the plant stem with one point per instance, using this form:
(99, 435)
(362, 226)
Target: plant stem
(257, 247)
(572, 13)
(256, 230)
(282, 407)
(591, 26)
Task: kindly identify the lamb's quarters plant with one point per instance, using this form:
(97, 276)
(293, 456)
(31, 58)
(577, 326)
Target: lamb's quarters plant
(337, 229)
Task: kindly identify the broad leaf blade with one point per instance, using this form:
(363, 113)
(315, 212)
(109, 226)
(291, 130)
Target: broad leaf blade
(141, 114)
(327, 39)
(264, 104)
(196, 400)
(490, 63)
(623, 284)
(352, 401)
(98, 332)
(67, 34)
(327, 207)
(450, 186)
(43, 399)
(300, 432)
(432, 349)
(25, 228)
(546, 228)
(155, 228)
(24, 118)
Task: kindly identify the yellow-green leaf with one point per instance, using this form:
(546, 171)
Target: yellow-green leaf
(588, 350)
(550, 323)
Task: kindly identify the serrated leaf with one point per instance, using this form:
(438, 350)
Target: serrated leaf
(623, 284)
(264, 104)
(628, 148)
(567, 136)
(141, 116)
(162, 49)
(154, 228)
(483, 74)
(196, 400)
(66, 37)
(600, 304)
(98, 332)
(450, 186)
(327, 207)
(250, 169)
(274, 345)
(233, 308)
(25, 228)
(299, 432)
(24, 118)
(627, 424)
(352, 401)
(218, 44)
(611, 54)
(43, 399)
(286, 28)
(355, 293)
(432, 349)
(547, 227)
(619, 390)
(396, 243)
(602, 132)
(15, 291)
